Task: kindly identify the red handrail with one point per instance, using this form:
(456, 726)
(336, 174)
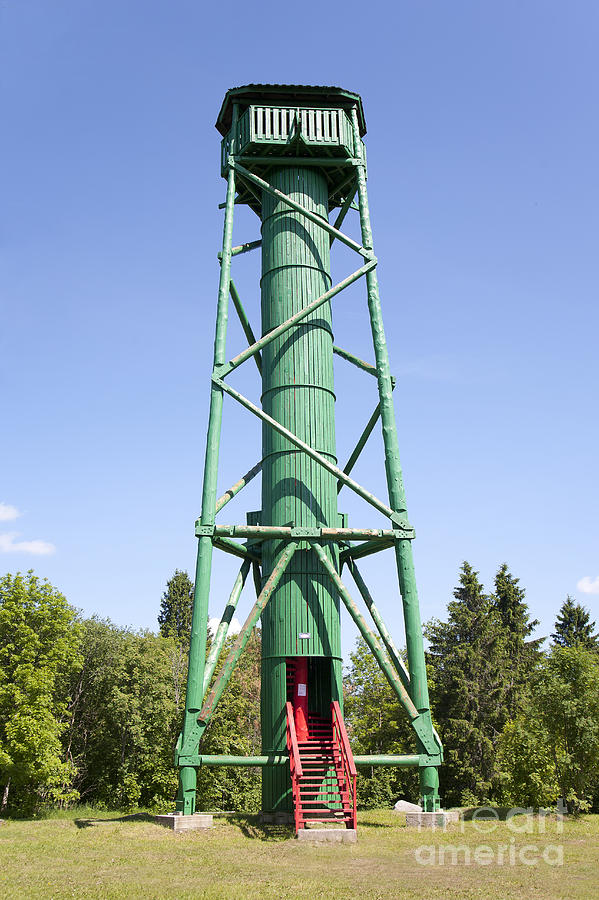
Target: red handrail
(295, 764)
(347, 759)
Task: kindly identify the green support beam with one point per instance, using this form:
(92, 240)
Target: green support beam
(245, 479)
(429, 778)
(199, 624)
(396, 517)
(223, 626)
(245, 323)
(190, 740)
(419, 724)
(295, 319)
(384, 632)
(313, 217)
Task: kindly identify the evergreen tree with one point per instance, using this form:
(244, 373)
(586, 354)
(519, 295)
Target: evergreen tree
(176, 608)
(521, 654)
(468, 689)
(573, 628)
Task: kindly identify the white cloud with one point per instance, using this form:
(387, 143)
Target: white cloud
(8, 513)
(8, 544)
(588, 586)
(234, 627)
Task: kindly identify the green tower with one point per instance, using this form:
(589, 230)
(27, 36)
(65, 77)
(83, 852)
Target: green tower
(294, 154)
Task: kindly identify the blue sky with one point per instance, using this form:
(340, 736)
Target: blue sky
(482, 149)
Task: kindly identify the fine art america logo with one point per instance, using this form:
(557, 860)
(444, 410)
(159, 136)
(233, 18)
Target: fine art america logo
(485, 820)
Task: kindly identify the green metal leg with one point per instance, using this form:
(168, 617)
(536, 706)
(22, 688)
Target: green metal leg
(403, 548)
(429, 788)
(199, 623)
(186, 797)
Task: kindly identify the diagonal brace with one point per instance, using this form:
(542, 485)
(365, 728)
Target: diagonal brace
(395, 517)
(207, 711)
(223, 627)
(420, 725)
(366, 548)
(344, 210)
(314, 217)
(245, 322)
(392, 650)
(245, 479)
(235, 549)
(355, 360)
(257, 346)
(361, 444)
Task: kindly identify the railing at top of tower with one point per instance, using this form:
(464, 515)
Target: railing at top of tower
(327, 129)
(341, 740)
(295, 764)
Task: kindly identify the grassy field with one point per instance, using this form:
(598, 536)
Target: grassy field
(105, 855)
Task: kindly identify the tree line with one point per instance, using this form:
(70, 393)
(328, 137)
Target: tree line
(90, 711)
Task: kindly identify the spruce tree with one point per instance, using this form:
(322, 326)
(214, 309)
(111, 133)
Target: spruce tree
(176, 608)
(468, 690)
(521, 655)
(573, 628)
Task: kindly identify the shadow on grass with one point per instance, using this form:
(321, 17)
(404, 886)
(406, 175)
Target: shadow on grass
(133, 817)
(362, 824)
(480, 813)
(251, 827)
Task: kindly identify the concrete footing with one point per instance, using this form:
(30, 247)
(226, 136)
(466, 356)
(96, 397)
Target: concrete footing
(328, 835)
(438, 819)
(179, 823)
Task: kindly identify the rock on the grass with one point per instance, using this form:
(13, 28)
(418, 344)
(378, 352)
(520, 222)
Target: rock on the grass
(405, 806)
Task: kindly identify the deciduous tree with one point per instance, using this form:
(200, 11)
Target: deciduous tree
(39, 649)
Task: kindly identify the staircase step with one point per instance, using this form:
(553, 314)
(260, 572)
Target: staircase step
(323, 804)
(335, 819)
(326, 796)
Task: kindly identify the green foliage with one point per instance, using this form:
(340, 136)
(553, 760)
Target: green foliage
(468, 690)
(377, 724)
(234, 730)
(552, 749)
(125, 710)
(176, 608)
(573, 627)
(39, 649)
(520, 655)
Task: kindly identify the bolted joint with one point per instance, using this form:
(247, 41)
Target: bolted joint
(429, 759)
(422, 727)
(204, 530)
(220, 370)
(304, 532)
(402, 526)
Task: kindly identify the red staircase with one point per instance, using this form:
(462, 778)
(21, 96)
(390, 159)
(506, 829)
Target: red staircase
(323, 774)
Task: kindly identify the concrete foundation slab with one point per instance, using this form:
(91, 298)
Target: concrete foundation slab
(439, 819)
(328, 835)
(178, 823)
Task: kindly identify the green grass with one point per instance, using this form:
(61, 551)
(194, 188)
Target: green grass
(107, 855)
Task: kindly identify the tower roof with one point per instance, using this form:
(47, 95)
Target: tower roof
(294, 94)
